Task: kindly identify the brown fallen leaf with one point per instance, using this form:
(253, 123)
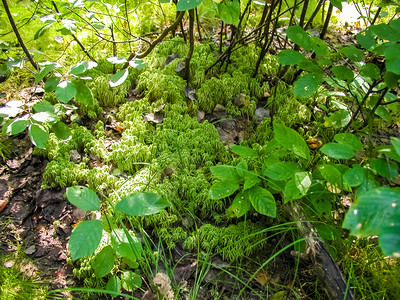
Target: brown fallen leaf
(3, 204)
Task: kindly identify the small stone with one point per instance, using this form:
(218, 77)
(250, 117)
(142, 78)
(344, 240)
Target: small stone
(75, 156)
(9, 264)
(219, 108)
(30, 250)
(261, 114)
(200, 116)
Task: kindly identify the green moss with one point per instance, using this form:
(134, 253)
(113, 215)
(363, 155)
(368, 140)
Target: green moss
(5, 147)
(232, 243)
(64, 173)
(109, 96)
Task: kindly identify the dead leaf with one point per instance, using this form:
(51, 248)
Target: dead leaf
(3, 204)
(262, 278)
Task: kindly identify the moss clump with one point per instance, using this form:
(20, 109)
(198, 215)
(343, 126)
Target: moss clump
(63, 173)
(109, 96)
(232, 243)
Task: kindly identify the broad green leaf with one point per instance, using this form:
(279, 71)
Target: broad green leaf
(61, 130)
(9, 112)
(384, 168)
(187, 4)
(327, 232)
(349, 139)
(354, 176)
(370, 70)
(251, 179)
(290, 57)
(222, 189)
(38, 135)
(262, 200)
(137, 64)
(343, 73)
(240, 205)
(51, 84)
(103, 262)
(126, 244)
(229, 11)
(321, 199)
(241, 168)
(319, 47)
(291, 191)
(116, 60)
(42, 30)
(291, 140)
(114, 284)
(377, 213)
(46, 70)
(83, 198)
(80, 68)
(85, 239)
(17, 126)
(83, 94)
(299, 37)
(130, 281)
(383, 113)
(396, 144)
(69, 26)
(141, 204)
(389, 151)
(333, 176)
(65, 91)
(45, 116)
(366, 39)
(338, 119)
(225, 173)
(391, 79)
(282, 170)
(338, 151)
(307, 85)
(392, 59)
(385, 32)
(119, 78)
(244, 151)
(337, 3)
(353, 53)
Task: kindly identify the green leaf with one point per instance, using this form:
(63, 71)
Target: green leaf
(321, 199)
(244, 151)
(319, 47)
(396, 144)
(225, 173)
(349, 139)
(9, 112)
(187, 4)
(282, 170)
(384, 168)
(45, 116)
(51, 84)
(343, 73)
(65, 91)
(241, 168)
(291, 140)
(222, 189)
(338, 119)
(383, 113)
(80, 68)
(377, 213)
(119, 78)
(392, 59)
(85, 239)
(141, 204)
(353, 53)
(366, 39)
(386, 32)
(69, 26)
(114, 284)
(290, 57)
(42, 31)
(61, 130)
(240, 205)
(337, 3)
(38, 135)
(130, 281)
(354, 176)
(337, 151)
(83, 198)
(262, 200)
(46, 70)
(307, 85)
(299, 37)
(370, 70)
(229, 11)
(103, 262)
(333, 176)
(83, 94)
(391, 79)
(137, 64)
(251, 179)
(126, 244)
(17, 126)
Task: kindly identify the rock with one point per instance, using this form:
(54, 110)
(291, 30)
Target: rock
(219, 108)
(30, 250)
(261, 114)
(200, 116)
(75, 156)
(9, 264)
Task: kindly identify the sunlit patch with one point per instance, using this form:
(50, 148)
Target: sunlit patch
(356, 211)
(359, 225)
(394, 204)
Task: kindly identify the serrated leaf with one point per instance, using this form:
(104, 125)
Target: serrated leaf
(187, 4)
(244, 151)
(343, 73)
(225, 173)
(262, 200)
(45, 116)
(338, 151)
(354, 176)
(240, 205)
(299, 37)
(291, 140)
(130, 281)
(141, 204)
(61, 130)
(282, 170)
(307, 85)
(290, 57)
(349, 139)
(222, 189)
(83, 198)
(65, 91)
(85, 239)
(38, 135)
(103, 262)
(353, 53)
(119, 78)
(83, 94)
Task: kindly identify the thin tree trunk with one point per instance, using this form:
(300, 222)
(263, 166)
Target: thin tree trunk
(326, 23)
(191, 46)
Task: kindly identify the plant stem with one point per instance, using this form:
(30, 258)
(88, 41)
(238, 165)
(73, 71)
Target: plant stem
(191, 46)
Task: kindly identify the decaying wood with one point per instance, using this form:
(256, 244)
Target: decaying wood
(325, 266)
